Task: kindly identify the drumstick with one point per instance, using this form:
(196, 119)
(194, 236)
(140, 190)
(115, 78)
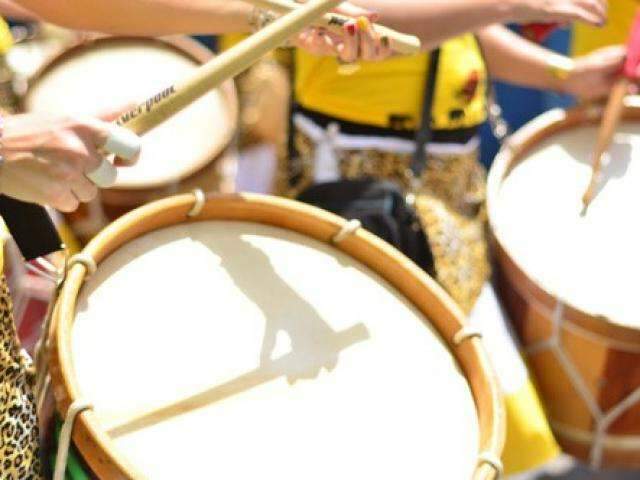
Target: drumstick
(169, 101)
(399, 42)
(613, 110)
(610, 120)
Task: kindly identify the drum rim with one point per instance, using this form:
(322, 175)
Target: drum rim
(406, 277)
(185, 46)
(513, 152)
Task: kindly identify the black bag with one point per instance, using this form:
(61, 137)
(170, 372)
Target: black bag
(382, 209)
(381, 205)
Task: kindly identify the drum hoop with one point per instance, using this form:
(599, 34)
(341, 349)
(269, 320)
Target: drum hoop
(183, 45)
(420, 290)
(511, 154)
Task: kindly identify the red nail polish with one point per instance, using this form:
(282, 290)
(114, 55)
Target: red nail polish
(351, 28)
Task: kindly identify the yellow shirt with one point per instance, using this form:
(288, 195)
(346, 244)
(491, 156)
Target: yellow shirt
(383, 93)
(616, 31)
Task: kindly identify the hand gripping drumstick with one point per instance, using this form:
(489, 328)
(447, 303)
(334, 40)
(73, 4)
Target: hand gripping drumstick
(613, 110)
(399, 42)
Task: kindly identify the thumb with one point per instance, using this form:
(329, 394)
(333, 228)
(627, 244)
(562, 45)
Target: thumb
(114, 139)
(352, 10)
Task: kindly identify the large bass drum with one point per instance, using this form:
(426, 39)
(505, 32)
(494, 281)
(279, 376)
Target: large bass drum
(254, 337)
(192, 149)
(569, 280)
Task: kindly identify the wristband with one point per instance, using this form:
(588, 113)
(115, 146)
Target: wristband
(560, 67)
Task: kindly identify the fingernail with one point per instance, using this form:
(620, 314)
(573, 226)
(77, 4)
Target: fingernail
(363, 23)
(384, 41)
(351, 29)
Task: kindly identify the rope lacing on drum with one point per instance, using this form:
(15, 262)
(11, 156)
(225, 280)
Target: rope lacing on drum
(41, 356)
(198, 203)
(602, 420)
(348, 229)
(465, 333)
(491, 459)
(86, 260)
(64, 443)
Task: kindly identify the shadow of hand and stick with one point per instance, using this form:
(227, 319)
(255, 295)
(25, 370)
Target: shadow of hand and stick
(314, 344)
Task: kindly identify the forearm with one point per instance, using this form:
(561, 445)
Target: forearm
(16, 12)
(145, 17)
(513, 59)
(434, 21)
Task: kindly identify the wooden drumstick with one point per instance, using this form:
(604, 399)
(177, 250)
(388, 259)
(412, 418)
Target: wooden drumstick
(608, 126)
(169, 101)
(399, 42)
(613, 110)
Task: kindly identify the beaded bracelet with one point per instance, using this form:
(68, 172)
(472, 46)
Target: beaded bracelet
(260, 18)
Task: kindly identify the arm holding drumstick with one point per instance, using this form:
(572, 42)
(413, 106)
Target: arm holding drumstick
(613, 111)
(398, 42)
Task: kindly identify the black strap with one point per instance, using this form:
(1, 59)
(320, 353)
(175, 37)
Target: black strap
(425, 132)
(31, 227)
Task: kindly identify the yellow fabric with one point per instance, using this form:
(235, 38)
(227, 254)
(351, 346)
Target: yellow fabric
(529, 443)
(69, 238)
(6, 40)
(229, 40)
(378, 92)
(616, 31)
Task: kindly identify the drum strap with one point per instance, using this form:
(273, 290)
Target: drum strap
(424, 133)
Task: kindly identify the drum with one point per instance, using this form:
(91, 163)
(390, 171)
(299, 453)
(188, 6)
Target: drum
(192, 149)
(569, 280)
(247, 336)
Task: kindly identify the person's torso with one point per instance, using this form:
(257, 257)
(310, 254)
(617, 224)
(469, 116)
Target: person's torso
(389, 94)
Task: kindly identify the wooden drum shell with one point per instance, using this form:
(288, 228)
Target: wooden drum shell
(406, 277)
(606, 355)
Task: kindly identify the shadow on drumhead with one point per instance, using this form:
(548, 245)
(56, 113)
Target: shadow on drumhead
(615, 162)
(314, 345)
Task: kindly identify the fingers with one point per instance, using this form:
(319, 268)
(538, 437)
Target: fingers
(593, 12)
(65, 202)
(110, 137)
(354, 11)
(348, 50)
(83, 189)
(369, 39)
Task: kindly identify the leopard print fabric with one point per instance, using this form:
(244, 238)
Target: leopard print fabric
(19, 442)
(450, 204)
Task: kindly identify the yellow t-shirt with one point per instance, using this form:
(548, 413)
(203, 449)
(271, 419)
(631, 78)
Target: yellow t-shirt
(616, 31)
(384, 94)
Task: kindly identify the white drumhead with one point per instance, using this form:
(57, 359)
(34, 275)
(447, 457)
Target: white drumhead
(186, 310)
(591, 261)
(106, 75)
